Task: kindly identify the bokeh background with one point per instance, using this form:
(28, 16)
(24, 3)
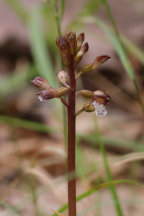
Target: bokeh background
(32, 149)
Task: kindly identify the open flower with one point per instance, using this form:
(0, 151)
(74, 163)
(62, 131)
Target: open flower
(100, 109)
(98, 103)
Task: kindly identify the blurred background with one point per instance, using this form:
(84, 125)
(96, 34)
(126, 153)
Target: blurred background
(32, 155)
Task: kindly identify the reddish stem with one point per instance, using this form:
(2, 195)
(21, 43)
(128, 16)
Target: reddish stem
(71, 144)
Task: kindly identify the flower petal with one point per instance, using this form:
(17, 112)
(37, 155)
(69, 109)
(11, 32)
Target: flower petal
(40, 98)
(100, 109)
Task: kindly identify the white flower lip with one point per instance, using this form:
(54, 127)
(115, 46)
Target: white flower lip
(100, 109)
(40, 98)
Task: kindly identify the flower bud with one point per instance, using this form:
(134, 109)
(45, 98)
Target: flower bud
(71, 40)
(85, 93)
(80, 40)
(102, 59)
(66, 36)
(101, 97)
(65, 50)
(41, 83)
(63, 78)
(89, 107)
(52, 93)
(63, 45)
(46, 94)
(82, 51)
(90, 67)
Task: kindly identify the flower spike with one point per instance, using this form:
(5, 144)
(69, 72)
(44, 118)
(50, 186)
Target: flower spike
(72, 51)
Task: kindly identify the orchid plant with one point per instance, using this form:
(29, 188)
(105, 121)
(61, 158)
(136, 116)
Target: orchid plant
(72, 50)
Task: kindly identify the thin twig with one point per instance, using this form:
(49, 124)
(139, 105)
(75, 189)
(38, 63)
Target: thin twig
(64, 102)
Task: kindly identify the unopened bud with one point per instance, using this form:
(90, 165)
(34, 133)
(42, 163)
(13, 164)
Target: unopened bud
(89, 107)
(82, 51)
(80, 40)
(41, 83)
(63, 78)
(66, 36)
(46, 94)
(101, 59)
(90, 67)
(85, 93)
(65, 50)
(101, 97)
(71, 40)
(63, 45)
(52, 93)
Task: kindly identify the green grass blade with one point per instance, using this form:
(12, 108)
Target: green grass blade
(102, 186)
(38, 45)
(91, 7)
(58, 25)
(10, 208)
(122, 55)
(57, 18)
(128, 144)
(97, 188)
(54, 7)
(19, 9)
(16, 80)
(117, 45)
(62, 7)
(122, 143)
(105, 185)
(17, 122)
(108, 10)
(81, 160)
(132, 48)
(108, 173)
